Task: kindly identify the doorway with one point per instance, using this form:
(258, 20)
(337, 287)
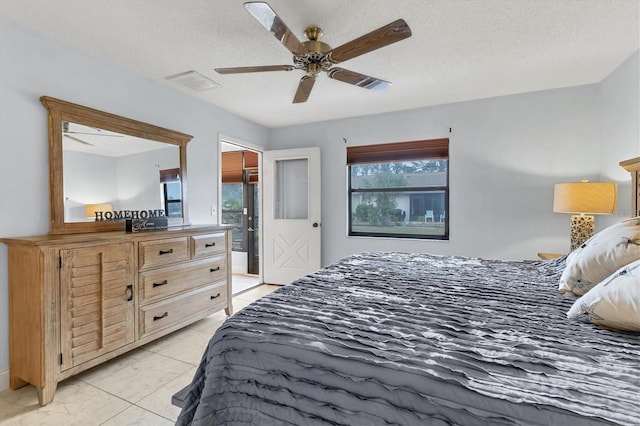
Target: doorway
(240, 206)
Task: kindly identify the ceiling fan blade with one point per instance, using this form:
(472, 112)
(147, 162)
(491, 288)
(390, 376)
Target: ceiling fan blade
(93, 134)
(98, 132)
(358, 79)
(304, 88)
(101, 133)
(383, 36)
(272, 22)
(240, 70)
(78, 140)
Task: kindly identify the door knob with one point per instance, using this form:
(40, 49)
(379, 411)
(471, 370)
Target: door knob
(315, 224)
(250, 229)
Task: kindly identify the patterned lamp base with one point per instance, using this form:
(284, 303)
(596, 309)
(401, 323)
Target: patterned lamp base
(582, 228)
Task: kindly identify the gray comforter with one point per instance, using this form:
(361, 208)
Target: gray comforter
(416, 339)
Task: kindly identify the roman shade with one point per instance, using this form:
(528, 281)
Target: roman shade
(398, 151)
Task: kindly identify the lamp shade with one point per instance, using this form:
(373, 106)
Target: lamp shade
(584, 197)
(91, 209)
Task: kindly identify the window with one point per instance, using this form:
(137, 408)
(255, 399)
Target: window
(171, 192)
(399, 190)
(233, 212)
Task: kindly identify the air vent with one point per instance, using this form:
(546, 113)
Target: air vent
(193, 80)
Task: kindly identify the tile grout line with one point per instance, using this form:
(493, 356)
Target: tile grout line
(146, 395)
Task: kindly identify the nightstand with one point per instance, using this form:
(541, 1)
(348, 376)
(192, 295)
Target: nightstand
(548, 256)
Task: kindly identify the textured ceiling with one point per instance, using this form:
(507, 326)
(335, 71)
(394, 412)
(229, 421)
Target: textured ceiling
(460, 49)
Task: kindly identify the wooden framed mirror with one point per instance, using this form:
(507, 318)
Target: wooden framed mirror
(102, 160)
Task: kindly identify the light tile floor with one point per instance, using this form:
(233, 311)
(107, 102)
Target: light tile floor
(133, 389)
(242, 282)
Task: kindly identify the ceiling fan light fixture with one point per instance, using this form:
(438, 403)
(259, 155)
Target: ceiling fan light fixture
(193, 80)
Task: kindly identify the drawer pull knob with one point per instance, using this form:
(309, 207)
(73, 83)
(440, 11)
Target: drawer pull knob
(166, 314)
(165, 282)
(215, 297)
(161, 252)
(209, 244)
(130, 292)
(214, 269)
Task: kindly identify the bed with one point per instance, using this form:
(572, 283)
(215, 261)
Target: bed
(402, 338)
(384, 338)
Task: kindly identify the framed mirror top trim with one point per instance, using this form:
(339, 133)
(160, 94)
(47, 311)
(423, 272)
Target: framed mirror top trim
(59, 111)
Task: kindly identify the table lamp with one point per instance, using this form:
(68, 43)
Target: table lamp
(584, 199)
(90, 210)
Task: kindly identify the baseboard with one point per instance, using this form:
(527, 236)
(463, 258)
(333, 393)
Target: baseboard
(4, 379)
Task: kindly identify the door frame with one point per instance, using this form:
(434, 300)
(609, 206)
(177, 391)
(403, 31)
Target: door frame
(259, 150)
(253, 205)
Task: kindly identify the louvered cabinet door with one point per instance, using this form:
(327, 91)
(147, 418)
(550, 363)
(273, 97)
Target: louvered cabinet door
(96, 301)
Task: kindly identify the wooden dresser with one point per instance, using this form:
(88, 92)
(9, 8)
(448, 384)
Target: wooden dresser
(78, 300)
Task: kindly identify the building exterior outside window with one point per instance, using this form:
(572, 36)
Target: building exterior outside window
(399, 194)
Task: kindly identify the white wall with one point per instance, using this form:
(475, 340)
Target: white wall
(620, 131)
(32, 65)
(506, 154)
(88, 179)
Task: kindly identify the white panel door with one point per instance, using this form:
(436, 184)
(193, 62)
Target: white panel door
(291, 232)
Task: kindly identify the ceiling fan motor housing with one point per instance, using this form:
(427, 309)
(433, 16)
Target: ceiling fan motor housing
(314, 60)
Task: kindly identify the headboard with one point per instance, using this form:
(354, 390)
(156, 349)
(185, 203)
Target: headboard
(633, 167)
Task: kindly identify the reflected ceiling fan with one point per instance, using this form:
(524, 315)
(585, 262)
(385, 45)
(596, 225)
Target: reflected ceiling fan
(71, 134)
(313, 56)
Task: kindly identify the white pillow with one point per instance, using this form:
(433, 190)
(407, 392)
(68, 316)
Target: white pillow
(600, 256)
(615, 302)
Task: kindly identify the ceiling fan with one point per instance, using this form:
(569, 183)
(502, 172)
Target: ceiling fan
(71, 134)
(313, 56)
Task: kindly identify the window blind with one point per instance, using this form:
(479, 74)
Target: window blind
(169, 175)
(250, 160)
(232, 167)
(235, 162)
(398, 151)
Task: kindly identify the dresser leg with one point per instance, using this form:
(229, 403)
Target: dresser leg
(46, 394)
(16, 382)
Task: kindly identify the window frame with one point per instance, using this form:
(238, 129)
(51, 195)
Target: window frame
(436, 149)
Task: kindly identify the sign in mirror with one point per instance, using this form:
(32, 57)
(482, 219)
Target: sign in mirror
(107, 174)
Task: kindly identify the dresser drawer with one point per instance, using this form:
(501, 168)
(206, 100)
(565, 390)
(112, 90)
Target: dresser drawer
(208, 244)
(164, 282)
(162, 252)
(163, 314)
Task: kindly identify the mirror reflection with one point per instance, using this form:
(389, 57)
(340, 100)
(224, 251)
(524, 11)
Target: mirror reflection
(107, 172)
